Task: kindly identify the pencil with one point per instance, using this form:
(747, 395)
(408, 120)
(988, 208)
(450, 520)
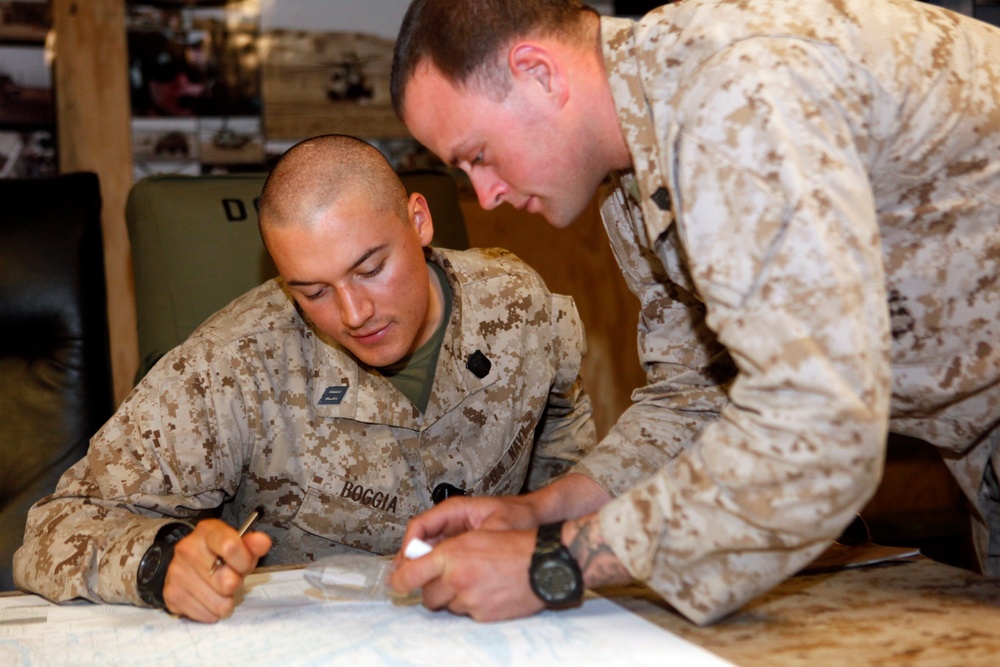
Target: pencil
(258, 513)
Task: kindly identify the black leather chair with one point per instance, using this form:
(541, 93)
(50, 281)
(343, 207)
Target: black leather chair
(55, 381)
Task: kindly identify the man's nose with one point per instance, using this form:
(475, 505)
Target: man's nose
(489, 189)
(355, 307)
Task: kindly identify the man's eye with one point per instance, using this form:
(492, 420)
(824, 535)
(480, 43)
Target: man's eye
(478, 159)
(374, 272)
(312, 296)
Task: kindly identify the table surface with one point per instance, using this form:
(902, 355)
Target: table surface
(912, 612)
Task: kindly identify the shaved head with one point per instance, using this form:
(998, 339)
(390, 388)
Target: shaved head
(319, 173)
(349, 245)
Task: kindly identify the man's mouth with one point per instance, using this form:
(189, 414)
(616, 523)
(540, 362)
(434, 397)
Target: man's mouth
(371, 336)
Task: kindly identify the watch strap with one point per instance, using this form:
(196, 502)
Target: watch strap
(549, 536)
(152, 572)
(549, 551)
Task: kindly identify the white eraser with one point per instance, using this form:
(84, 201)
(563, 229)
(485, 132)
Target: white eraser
(334, 576)
(417, 548)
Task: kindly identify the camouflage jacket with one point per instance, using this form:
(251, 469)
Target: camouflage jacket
(812, 226)
(255, 408)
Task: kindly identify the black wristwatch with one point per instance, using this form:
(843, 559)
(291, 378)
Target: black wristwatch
(152, 572)
(555, 577)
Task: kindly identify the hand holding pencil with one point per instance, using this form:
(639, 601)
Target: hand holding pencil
(197, 586)
(258, 513)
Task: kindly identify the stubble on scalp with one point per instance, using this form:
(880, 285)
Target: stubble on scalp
(319, 173)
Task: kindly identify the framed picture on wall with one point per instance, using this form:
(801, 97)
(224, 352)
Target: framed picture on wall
(195, 85)
(24, 21)
(327, 82)
(27, 111)
(193, 59)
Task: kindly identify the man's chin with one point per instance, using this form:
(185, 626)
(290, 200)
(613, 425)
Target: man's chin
(559, 214)
(560, 219)
(366, 355)
(376, 360)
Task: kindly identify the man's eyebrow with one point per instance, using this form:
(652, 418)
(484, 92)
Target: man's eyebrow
(364, 257)
(361, 260)
(456, 153)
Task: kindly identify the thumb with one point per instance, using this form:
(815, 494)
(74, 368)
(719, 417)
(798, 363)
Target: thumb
(258, 544)
(413, 574)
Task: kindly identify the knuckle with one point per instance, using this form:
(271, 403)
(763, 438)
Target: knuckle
(185, 549)
(222, 608)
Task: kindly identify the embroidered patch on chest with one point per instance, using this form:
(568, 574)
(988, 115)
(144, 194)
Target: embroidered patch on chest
(333, 395)
(369, 497)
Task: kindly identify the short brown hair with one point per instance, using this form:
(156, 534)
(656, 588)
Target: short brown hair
(464, 40)
(319, 172)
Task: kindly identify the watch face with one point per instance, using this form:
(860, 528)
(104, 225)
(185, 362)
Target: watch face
(555, 580)
(150, 564)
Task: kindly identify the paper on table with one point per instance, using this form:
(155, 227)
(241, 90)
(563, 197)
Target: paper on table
(282, 621)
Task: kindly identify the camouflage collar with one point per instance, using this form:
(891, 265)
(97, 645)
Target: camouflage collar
(626, 80)
(343, 388)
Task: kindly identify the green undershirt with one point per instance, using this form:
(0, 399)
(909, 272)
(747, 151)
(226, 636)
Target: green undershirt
(413, 375)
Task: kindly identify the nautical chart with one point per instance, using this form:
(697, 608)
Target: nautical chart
(283, 621)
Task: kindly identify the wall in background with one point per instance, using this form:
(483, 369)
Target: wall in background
(380, 17)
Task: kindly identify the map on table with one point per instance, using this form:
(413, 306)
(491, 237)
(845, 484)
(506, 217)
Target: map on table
(282, 620)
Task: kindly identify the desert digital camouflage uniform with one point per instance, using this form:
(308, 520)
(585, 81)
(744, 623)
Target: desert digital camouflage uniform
(835, 173)
(255, 409)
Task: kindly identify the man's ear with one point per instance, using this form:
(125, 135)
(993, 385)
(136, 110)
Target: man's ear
(420, 218)
(533, 62)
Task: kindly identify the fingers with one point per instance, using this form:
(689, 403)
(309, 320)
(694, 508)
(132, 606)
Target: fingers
(409, 575)
(225, 543)
(437, 523)
(192, 589)
(482, 574)
(190, 596)
(449, 518)
(460, 514)
(258, 544)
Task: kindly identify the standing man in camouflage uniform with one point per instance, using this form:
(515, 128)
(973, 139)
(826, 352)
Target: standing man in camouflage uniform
(806, 200)
(338, 397)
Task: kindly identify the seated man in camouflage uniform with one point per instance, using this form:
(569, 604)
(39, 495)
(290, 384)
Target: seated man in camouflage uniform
(337, 397)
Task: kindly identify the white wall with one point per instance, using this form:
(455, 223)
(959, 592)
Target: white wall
(377, 17)
(25, 65)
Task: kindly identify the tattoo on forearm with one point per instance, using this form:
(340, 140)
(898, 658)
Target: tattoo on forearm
(597, 561)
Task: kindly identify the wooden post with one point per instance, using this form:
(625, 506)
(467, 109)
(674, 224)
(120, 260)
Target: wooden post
(93, 125)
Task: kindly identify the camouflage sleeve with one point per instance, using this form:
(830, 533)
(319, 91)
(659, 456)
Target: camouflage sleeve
(784, 248)
(156, 460)
(687, 370)
(566, 432)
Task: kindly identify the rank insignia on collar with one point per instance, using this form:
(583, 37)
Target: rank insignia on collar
(333, 395)
(479, 364)
(661, 198)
